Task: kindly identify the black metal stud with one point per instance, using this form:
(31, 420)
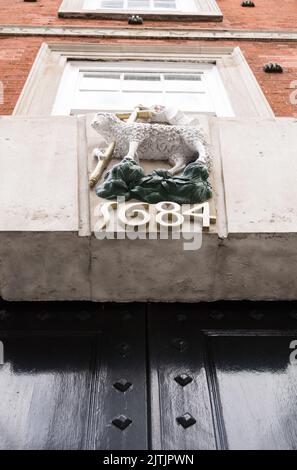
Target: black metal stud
(135, 20)
(186, 420)
(83, 316)
(4, 315)
(257, 316)
(180, 344)
(216, 315)
(183, 380)
(121, 422)
(127, 316)
(181, 317)
(43, 315)
(248, 3)
(273, 68)
(124, 349)
(122, 385)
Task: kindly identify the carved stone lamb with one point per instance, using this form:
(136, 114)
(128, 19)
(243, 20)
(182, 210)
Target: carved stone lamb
(180, 145)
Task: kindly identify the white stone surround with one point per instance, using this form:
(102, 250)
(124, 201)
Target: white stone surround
(47, 251)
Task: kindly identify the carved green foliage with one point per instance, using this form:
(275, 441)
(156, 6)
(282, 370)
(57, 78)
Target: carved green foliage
(120, 180)
(128, 179)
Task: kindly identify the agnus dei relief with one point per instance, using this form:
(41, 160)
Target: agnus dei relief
(184, 146)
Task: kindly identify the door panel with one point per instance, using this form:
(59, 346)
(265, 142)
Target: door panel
(180, 405)
(64, 384)
(257, 387)
(42, 376)
(119, 397)
(243, 389)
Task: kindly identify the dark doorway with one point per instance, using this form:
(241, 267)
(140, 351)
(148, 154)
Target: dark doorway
(148, 376)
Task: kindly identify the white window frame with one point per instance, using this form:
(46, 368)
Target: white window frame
(181, 6)
(215, 92)
(199, 10)
(40, 91)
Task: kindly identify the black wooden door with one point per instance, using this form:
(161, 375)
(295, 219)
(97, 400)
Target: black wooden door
(226, 370)
(171, 377)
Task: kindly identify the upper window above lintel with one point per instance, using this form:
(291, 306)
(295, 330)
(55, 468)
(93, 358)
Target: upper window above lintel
(179, 10)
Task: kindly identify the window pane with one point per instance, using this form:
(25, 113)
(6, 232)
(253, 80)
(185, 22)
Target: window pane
(192, 102)
(91, 101)
(136, 5)
(115, 101)
(165, 4)
(139, 4)
(94, 82)
(184, 83)
(112, 4)
(128, 101)
(123, 91)
(142, 82)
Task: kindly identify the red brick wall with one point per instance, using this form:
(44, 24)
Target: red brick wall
(268, 14)
(17, 56)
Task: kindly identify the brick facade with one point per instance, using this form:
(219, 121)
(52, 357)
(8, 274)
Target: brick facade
(268, 15)
(17, 53)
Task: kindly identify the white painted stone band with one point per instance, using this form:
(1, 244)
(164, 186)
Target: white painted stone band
(148, 33)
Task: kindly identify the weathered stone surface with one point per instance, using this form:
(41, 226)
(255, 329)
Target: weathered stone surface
(152, 270)
(257, 267)
(44, 266)
(38, 167)
(41, 255)
(260, 174)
